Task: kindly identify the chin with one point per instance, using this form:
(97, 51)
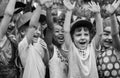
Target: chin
(35, 40)
(107, 46)
(83, 48)
(60, 42)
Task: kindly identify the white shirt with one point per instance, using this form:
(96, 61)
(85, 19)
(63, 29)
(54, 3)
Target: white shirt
(80, 66)
(58, 65)
(31, 58)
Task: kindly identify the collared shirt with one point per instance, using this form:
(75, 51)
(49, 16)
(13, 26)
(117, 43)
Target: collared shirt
(32, 59)
(81, 66)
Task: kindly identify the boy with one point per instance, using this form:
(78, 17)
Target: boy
(82, 56)
(32, 49)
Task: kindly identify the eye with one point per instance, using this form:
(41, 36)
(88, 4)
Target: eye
(106, 34)
(78, 34)
(86, 34)
(57, 31)
(62, 31)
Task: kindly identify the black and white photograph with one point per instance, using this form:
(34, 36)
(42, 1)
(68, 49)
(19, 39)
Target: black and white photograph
(59, 38)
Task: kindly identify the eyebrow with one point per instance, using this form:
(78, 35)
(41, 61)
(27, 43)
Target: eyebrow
(107, 31)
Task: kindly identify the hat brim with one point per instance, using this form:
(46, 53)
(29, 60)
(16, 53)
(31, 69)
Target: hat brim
(80, 23)
(24, 19)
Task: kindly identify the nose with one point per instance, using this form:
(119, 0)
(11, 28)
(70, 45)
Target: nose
(60, 32)
(109, 37)
(82, 36)
(38, 32)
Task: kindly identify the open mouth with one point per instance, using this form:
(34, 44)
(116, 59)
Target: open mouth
(36, 36)
(83, 42)
(108, 41)
(61, 37)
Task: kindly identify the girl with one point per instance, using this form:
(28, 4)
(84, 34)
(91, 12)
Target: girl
(108, 59)
(7, 49)
(82, 60)
(54, 38)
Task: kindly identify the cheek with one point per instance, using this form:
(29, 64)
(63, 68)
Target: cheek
(104, 37)
(76, 38)
(54, 36)
(88, 38)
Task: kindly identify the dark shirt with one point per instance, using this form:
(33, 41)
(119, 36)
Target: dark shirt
(7, 59)
(108, 63)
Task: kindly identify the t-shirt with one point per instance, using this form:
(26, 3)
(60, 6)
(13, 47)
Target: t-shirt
(31, 57)
(82, 66)
(58, 65)
(108, 62)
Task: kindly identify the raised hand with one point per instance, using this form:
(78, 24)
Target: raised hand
(48, 4)
(111, 8)
(68, 4)
(94, 7)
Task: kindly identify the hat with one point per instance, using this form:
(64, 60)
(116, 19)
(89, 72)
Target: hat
(80, 23)
(24, 19)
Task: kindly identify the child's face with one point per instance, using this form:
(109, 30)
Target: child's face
(106, 37)
(37, 34)
(58, 35)
(81, 37)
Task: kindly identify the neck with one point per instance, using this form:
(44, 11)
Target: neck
(58, 46)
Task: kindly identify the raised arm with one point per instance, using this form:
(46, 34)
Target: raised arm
(115, 32)
(7, 17)
(33, 24)
(99, 24)
(50, 26)
(114, 24)
(67, 22)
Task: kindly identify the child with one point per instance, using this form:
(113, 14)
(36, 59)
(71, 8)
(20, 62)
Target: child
(82, 60)
(54, 38)
(32, 49)
(108, 59)
(7, 48)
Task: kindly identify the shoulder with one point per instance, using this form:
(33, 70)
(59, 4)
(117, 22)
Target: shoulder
(23, 44)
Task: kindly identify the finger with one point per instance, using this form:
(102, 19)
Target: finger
(65, 2)
(118, 2)
(74, 4)
(90, 4)
(94, 3)
(116, 5)
(98, 4)
(114, 2)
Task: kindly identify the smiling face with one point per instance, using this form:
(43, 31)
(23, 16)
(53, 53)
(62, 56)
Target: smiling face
(106, 37)
(37, 34)
(81, 37)
(58, 34)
